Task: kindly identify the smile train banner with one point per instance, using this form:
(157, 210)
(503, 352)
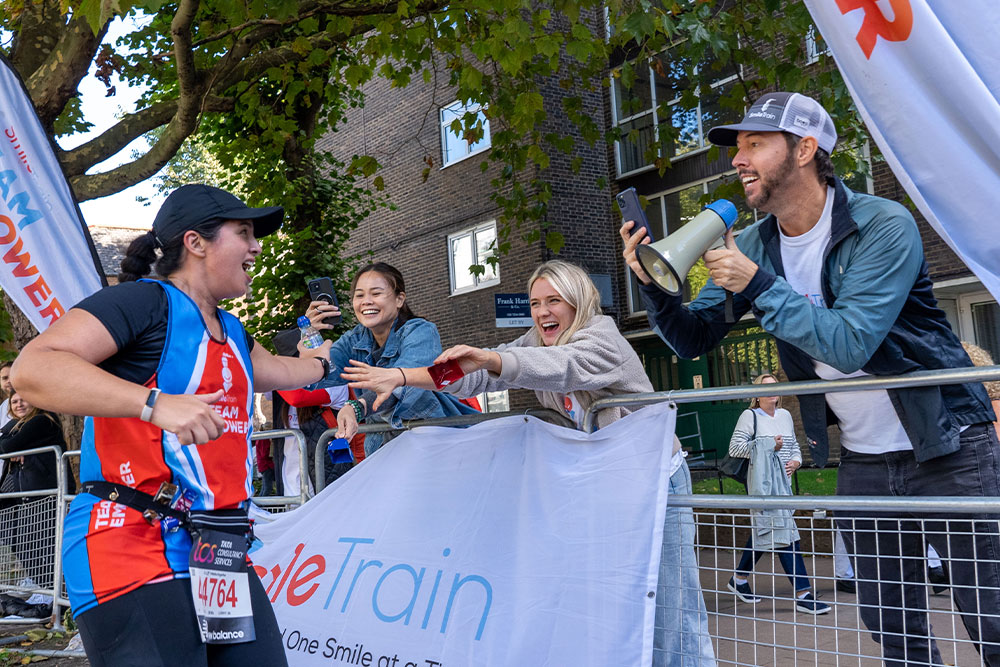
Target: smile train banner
(513, 542)
(47, 262)
(925, 76)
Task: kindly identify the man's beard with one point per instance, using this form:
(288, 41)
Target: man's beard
(768, 184)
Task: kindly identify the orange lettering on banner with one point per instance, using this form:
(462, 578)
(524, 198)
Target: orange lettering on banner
(38, 290)
(876, 25)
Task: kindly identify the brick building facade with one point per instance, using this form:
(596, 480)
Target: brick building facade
(406, 129)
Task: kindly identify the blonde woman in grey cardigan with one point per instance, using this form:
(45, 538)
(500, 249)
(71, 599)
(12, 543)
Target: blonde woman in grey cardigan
(571, 357)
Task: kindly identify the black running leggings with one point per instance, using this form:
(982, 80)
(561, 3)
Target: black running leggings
(155, 626)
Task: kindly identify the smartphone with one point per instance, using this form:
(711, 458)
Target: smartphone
(628, 202)
(321, 289)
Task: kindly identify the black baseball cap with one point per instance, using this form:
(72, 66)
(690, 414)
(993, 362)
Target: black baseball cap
(782, 112)
(190, 205)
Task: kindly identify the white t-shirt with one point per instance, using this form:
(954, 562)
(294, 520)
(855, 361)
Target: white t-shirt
(868, 422)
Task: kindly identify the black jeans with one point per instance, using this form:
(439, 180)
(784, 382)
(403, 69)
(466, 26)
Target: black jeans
(889, 548)
(155, 626)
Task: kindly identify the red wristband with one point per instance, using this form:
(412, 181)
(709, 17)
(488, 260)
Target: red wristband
(445, 373)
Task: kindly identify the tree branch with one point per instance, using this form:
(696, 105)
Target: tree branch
(57, 79)
(78, 160)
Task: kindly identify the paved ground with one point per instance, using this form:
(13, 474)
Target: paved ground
(772, 633)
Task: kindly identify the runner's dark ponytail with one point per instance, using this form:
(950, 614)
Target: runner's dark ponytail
(141, 253)
(139, 258)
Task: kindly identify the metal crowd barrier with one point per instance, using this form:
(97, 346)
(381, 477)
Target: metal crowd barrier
(319, 460)
(770, 632)
(30, 538)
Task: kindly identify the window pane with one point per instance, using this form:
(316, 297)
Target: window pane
(636, 99)
(713, 113)
(455, 147)
(689, 135)
(986, 321)
(461, 260)
(654, 213)
(632, 147)
(496, 401)
(451, 112)
(485, 141)
(484, 240)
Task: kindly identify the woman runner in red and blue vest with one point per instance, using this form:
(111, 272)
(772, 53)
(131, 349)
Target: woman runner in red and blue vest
(168, 380)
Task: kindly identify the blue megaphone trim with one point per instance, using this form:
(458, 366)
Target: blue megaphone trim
(725, 210)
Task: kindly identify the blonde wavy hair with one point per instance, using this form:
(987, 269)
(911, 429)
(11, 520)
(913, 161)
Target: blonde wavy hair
(754, 402)
(575, 287)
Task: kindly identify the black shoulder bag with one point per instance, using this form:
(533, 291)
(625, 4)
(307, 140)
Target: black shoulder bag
(735, 467)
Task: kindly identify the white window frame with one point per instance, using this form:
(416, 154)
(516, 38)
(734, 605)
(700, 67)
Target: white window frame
(485, 404)
(445, 127)
(812, 53)
(616, 121)
(478, 282)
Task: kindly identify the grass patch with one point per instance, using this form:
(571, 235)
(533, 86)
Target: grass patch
(811, 482)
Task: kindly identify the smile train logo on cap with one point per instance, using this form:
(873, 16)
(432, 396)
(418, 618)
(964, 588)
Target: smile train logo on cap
(767, 104)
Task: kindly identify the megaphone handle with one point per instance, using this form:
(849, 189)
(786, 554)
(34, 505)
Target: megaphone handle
(730, 316)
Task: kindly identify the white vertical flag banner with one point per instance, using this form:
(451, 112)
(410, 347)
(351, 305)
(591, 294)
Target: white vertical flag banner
(47, 262)
(926, 78)
(513, 542)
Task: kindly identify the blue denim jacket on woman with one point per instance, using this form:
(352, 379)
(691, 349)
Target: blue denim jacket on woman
(413, 344)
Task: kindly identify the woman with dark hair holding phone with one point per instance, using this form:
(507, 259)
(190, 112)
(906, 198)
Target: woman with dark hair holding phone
(168, 380)
(573, 356)
(388, 335)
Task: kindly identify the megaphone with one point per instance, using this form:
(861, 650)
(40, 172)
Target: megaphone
(668, 261)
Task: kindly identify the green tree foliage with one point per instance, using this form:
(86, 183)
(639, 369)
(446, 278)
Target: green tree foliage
(259, 81)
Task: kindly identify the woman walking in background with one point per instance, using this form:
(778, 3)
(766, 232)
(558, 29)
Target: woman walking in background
(766, 419)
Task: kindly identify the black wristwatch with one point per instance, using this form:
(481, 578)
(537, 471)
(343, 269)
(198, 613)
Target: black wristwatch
(326, 367)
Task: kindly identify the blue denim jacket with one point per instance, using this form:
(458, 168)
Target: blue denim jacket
(413, 344)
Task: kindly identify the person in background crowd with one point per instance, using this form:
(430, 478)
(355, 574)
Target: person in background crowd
(840, 280)
(764, 418)
(265, 466)
(388, 335)
(571, 357)
(168, 379)
(311, 412)
(6, 389)
(28, 534)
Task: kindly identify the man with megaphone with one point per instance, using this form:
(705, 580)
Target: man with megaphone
(839, 279)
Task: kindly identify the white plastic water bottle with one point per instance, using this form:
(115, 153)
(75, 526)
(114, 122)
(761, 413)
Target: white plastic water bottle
(310, 338)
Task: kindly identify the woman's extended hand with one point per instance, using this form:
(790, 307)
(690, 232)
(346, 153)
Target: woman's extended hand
(791, 466)
(347, 422)
(777, 442)
(319, 311)
(471, 358)
(190, 417)
(382, 381)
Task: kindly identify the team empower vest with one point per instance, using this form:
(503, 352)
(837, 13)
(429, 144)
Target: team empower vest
(109, 549)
